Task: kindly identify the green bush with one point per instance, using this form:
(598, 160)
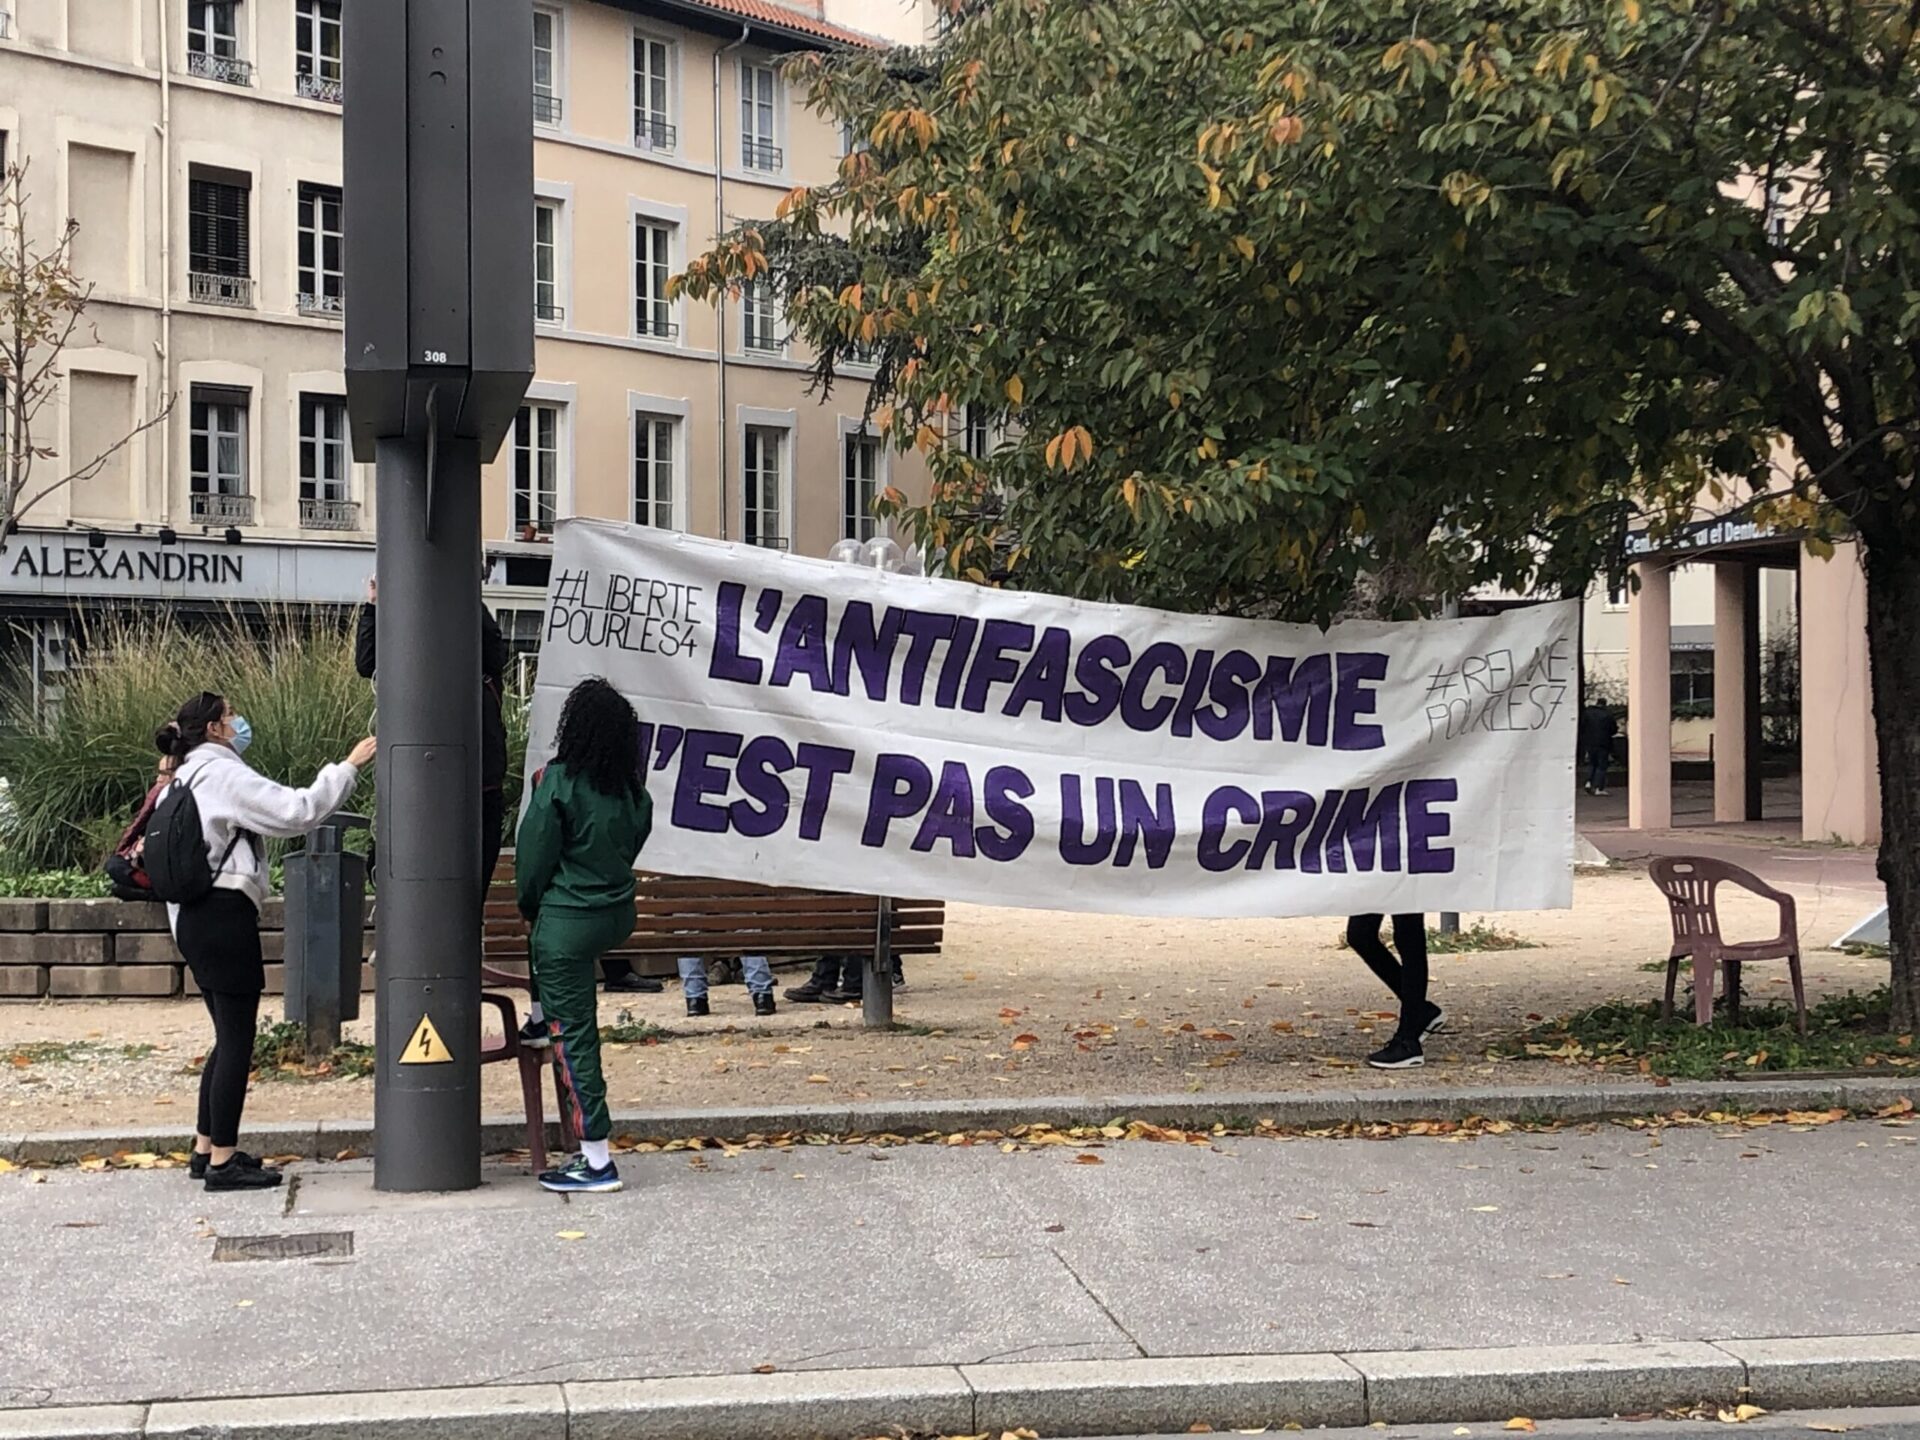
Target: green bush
(74, 781)
(73, 784)
(54, 885)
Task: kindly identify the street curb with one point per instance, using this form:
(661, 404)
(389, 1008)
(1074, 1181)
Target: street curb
(1136, 1397)
(326, 1139)
(1079, 1397)
(1556, 1382)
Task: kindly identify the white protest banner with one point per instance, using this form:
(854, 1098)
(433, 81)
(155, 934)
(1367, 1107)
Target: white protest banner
(816, 724)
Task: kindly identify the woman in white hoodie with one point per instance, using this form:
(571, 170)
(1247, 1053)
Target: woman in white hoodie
(219, 936)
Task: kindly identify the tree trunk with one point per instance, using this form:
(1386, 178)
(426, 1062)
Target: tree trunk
(1893, 643)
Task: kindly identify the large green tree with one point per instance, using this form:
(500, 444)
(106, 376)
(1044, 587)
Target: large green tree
(1277, 298)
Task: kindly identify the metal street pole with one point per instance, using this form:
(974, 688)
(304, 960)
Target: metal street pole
(876, 991)
(1450, 919)
(439, 353)
(427, 1085)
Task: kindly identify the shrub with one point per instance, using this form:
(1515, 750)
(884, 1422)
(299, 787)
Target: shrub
(76, 778)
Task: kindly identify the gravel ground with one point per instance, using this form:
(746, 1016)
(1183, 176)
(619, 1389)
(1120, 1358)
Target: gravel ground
(1021, 1003)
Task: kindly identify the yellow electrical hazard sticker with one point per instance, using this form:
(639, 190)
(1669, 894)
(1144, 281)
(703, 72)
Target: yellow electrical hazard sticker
(426, 1047)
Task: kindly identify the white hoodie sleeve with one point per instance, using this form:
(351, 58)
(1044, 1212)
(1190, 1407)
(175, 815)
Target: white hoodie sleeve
(280, 812)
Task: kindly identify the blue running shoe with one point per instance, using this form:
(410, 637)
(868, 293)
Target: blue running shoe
(577, 1177)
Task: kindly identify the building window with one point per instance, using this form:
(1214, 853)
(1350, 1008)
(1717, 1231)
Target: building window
(979, 442)
(653, 470)
(213, 42)
(322, 278)
(316, 49)
(759, 138)
(326, 500)
(762, 462)
(546, 264)
(217, 456)
(1777, 219)
(218, 238)
(652, 78)
(759, 318)
(652, 265)
(546, 68)
(1692, 678)
(860, 485)
(536, 469)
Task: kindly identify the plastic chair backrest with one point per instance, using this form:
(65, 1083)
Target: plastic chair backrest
(1690, 883)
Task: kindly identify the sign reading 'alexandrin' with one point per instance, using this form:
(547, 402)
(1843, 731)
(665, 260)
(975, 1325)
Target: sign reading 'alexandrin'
(816, 724)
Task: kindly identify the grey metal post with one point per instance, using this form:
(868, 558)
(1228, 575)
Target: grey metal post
(876, 994)
(427, 1093)
(1450, 919)
(312, 905)
(438, 145)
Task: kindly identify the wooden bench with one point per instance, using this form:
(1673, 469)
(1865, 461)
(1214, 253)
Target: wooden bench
(726, 919)
(675, 916)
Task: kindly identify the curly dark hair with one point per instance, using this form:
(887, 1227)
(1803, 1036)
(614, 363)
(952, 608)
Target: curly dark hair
(600, 739)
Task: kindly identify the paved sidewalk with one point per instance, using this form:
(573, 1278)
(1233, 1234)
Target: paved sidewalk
(843, 1259)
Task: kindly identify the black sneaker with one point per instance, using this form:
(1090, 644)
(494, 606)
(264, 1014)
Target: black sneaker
(1436, 1021)
(697, 1005)
(197, 1166)
(899, 977)
(1403, 1052)
(535, 1035)
(634, 984)
(841, 995)
(235, 1176)
(763, 1003)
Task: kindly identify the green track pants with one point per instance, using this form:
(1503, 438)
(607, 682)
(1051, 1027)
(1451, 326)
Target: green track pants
(567, 946)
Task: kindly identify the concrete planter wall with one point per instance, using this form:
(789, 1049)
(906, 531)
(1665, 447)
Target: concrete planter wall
(110, 949)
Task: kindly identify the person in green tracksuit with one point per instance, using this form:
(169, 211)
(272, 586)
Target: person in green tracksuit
(584, 825)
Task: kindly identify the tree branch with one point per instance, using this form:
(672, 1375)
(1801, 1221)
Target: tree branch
(98, 463)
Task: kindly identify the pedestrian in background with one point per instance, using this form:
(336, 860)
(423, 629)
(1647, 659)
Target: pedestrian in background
(840, 980)
(126, 868)
(219, 934)
(586, 821)
(753, 968)
(1406, 978)
(1597, 729)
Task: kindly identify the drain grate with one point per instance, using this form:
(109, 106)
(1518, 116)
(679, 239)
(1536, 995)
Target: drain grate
(315, 1245)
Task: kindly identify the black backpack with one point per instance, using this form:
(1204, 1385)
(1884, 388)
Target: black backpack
(178, 863)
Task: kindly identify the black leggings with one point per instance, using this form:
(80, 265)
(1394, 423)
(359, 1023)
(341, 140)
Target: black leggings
(1408, 977)
(223, 1078)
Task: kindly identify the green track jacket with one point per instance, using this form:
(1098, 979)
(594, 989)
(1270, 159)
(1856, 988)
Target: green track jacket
(577, 847)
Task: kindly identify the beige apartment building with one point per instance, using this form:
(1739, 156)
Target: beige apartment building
(197, 145)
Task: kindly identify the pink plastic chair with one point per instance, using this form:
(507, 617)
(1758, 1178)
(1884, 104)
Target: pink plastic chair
(1690, 883)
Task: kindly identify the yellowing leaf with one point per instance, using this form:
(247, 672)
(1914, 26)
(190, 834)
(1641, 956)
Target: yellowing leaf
(1632, 8)
(1088, 1159)
(571, 1234)
(1244, 246)
(1016, 391)
(1299, 269)
(1521, 1422)
(818, 1080)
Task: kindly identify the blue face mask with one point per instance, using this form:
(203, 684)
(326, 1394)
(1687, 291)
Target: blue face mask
(242, 734)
